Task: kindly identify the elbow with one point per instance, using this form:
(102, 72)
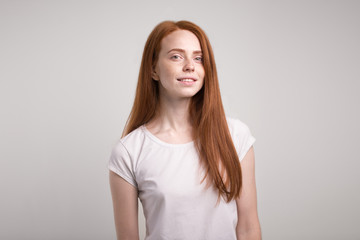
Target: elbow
(254, 234)
(128, 237)
(249, 231)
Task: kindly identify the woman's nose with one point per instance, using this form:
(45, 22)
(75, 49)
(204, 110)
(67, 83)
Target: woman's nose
(189, 66)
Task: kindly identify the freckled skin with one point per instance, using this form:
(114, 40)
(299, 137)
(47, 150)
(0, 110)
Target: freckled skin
(180, 57)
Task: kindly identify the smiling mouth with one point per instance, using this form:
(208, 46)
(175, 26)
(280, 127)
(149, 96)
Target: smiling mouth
(186, 79)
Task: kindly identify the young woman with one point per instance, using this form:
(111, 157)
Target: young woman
(179, 153)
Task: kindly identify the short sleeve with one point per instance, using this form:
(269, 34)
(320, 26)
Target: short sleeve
(242, 137)
(247, 141)
(121, 163)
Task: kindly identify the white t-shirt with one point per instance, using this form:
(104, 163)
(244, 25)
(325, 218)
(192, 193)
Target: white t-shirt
(167, 176)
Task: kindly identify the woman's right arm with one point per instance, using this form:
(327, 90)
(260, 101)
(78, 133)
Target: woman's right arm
(125, 203)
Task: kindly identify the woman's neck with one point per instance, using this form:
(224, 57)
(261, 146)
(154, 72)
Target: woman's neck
(172, 124)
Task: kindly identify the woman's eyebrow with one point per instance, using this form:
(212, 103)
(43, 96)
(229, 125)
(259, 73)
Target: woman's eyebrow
(182, 50)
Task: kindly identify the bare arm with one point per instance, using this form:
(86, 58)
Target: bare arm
(125, 203)
(248, 226)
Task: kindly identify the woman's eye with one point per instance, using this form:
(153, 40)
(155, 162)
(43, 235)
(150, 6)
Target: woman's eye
(199, 59)
(176, 57)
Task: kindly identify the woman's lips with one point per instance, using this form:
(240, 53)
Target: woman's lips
(187, 79)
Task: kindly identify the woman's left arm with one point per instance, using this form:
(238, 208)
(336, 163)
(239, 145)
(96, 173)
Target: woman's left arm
(248, 226)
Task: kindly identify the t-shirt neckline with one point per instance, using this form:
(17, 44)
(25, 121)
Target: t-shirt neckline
(161, 142)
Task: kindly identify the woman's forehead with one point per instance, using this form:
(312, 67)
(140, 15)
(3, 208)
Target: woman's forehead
(181, 39)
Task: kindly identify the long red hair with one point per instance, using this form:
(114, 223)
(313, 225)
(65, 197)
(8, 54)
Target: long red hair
(212, 138)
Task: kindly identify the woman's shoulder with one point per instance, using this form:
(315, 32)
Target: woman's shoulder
(130, 145)
(237, 126)
(241, 135)
(133, 139)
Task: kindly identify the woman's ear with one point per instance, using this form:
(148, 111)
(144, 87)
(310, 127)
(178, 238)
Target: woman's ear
(155, 76)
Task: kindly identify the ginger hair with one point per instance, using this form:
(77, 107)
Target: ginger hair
(211, 134)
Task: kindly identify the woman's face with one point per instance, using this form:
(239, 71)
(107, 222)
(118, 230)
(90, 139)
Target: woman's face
(179, 68)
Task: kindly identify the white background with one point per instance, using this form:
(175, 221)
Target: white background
(68, 71)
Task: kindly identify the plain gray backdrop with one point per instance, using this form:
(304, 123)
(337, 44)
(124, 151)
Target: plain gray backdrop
(288, 69)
